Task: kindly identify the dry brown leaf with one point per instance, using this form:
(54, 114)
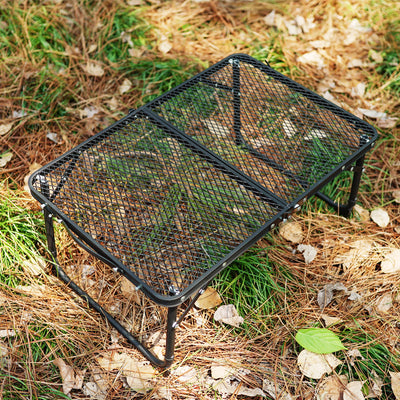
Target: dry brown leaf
(314, 365)
(220, 370)
(362, 213)
(35, 267)
(396, 195)
(138, 374)
(209, 299)
(395, 383)
(391, 262)
(332, 387)
(329, 321)
(228, 315)
(384, 303)
(129, 290)
(360, 252)
(125, 87)
(353, 391)
(7, 333)
(5, 158)
(70, 379)
(380, 217)
(5, 128)
(288, 127)
(165, 45)
(186, 374)
(93, 69)
(216, 128)
(274, 390)
(92, 390)
(291, 231)
(226, 387)
(387, 123)
(312, 58)
(33, 290)
(309, 252)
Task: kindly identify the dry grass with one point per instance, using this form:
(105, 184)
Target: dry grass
(49, 83)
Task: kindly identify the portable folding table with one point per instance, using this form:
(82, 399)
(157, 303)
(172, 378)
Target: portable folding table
(175, 191)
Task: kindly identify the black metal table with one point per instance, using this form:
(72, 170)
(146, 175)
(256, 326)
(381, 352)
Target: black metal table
(171, 194)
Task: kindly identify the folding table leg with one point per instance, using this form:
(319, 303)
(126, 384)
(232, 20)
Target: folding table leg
(345, 209)
(172, 311)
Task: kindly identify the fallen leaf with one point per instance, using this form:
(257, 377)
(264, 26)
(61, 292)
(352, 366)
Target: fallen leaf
(219, 370)
(274, 390)
(165, 45)
(325, 295)
(359, 90)
(127, 38)
(316, 134)
(54, 137)
(314, 365)
(376, 56)
(228, 315)
(384, 303)
(396, 195)
(125, 87)
(355, 257)
(93, 69)
(92, 390)
(288, 127)
(138, 374)
(88, 112)
(129, 290)
(292, 27)
(387, 122)
(353, 354)
(328, 96)
(312, 58)
(5, 128)
(209, 299)
(380, 217)
(269, 19)
(354, 63)
(376, 389)
(7, 333)
(226, 387)
(391, 262)
(70, 379)
(186, 374)
(362, 213)
(92, 48)
(319, 340)
(33, 290)
(328, 320)
(309, 252)
(35, 267)
(291, 231)
(395, 383)
(19, 114)
(217, 129)
(353, 391)
(5, 158)
(332, 387)
(372, 113)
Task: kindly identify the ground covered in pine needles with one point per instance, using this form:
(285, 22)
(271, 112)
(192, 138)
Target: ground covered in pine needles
(70, 68)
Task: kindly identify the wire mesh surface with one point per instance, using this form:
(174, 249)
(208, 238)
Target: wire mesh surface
(184, 181)
(167, 213)
(265, 124)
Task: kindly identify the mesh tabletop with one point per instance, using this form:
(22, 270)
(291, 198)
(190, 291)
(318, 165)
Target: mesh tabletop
(178, 188)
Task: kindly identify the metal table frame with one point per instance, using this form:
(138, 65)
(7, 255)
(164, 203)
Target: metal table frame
(39, 184)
